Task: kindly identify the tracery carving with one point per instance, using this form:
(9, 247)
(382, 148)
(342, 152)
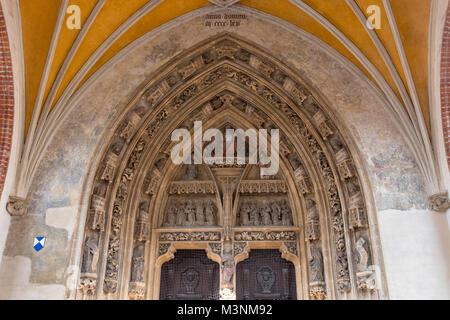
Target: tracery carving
(190, 236)
(192, 187)
(154, 181)
(110, 163)
(262, 186)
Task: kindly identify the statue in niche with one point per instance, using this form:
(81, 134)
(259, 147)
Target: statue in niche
(171, 215)
(285, 214)
(295, 162)
(362, 256)
(190, 214)
(90, 254)
(137, 266)
(316, 265)
(244, 218)
(265, 215)
(254, 215)
(143, 211)
(191, 172)
(336, 142)
(227, 263)
(181, 216)
(209, 213)
(200, 215)
(276, 210)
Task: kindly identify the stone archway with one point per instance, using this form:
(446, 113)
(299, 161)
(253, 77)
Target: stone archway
(228, 80)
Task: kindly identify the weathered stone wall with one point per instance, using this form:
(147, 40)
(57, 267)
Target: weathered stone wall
(58, 194)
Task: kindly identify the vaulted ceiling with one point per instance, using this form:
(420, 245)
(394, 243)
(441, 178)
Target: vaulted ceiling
(101, 18)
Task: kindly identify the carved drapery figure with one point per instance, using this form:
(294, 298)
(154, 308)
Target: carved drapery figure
(312, 220)
(171, 215)
(90, 254)
(316, 270)
(190, 213)
(286, 214)
(209, 213)
(266, 215)
(138, 262)
(366, 276)
(275, 213)
(181, 215)
(227, 264)
(244, 214)
(200, 214)
(142, 228)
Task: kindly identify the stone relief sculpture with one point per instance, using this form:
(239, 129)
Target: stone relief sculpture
(316, 274)
(90, 254)
(138, 262)
(366, 277)
(312, 220)
(190, 213)
(265, 213)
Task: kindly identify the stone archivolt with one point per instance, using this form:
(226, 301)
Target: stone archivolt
(273, 89)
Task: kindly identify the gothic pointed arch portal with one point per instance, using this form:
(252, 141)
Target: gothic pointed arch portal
(143, 207)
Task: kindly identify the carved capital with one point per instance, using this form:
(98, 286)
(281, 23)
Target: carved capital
(136, 291)
(317, 290)
(17, 206)
(439, 202)
(88, 284)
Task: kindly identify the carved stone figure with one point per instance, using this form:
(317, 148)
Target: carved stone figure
(171, 215)
(200, 214)
(191, 172)
(227, 263)
(254, 215)
(209, 213)
(265, 215)
(181, 215)
(138, 262)
(312, 220)
(316, 265)
(276, 214)
(362, 255)
(286, 216)
(90, 254)
(243, 215)
(190, 214)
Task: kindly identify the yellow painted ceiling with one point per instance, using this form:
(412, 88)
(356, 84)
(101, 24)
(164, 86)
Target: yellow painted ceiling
(39, 20)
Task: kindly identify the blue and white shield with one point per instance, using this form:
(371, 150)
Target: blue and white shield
(39, 243)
